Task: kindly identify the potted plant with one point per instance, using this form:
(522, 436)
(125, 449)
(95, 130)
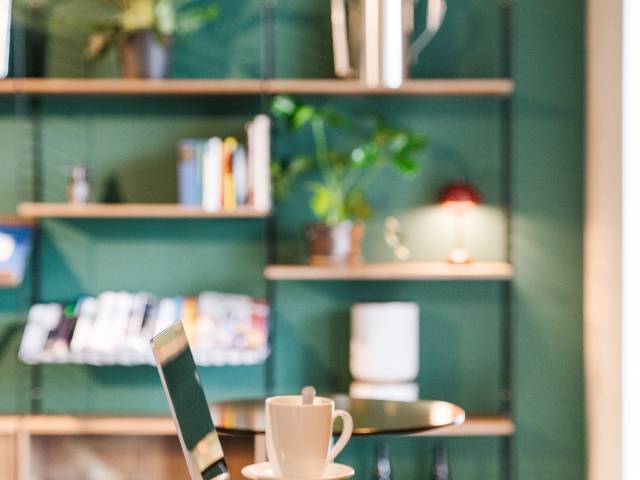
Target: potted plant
(143, 32)
(339, 197)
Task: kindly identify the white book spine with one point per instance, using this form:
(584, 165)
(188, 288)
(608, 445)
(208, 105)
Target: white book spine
(5, 36)
(102, 331)
(260, 153)
(240, 176)
(41, 320)
(167, 314)
(84, 326)
(212, 175)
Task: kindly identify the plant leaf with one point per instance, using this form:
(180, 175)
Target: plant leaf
(139, 15)
(193, 19)
(406, 165)
(98, 43)
(399, 142)
(300, 164)
(284, 175)
(283, 106)
(357, 207)
(303, 115)
(321, 201)
(332, 117)
(365, 155)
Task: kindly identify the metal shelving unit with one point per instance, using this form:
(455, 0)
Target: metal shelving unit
(28, 94)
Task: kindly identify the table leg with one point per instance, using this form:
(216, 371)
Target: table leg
(238, 452)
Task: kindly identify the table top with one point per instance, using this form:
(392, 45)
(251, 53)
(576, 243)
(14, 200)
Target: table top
(370, 417)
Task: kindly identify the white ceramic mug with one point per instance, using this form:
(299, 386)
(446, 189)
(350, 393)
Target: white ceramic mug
(298, 435)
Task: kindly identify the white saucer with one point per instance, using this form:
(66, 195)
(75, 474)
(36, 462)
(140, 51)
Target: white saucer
(264, 471)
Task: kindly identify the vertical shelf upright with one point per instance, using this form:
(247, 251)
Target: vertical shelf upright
(28, 109)
(268, 65)
(507, 321)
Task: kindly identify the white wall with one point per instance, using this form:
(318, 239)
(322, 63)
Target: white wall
(631, 240)
(603, 240)
(612, 240)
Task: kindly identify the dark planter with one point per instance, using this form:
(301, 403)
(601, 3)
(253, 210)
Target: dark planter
(338, 245)
(143, 55)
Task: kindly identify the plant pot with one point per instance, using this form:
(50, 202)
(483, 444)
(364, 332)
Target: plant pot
(335, 245)
(143, 55)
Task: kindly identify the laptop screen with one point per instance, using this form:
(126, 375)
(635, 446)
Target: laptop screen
(188, 404)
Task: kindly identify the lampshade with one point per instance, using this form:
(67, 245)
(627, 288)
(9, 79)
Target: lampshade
(459, 197)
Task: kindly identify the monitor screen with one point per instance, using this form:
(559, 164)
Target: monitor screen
(188, 404)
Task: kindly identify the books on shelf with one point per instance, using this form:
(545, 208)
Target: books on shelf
(115, 328)
(5, 37)
(223, 174)
(15, 248)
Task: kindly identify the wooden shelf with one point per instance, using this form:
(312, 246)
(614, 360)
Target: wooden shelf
(128, 210)
(9, 424)
(498, 87)
(8, 280)
(475, 426)
(15, 220)
(96, 425)
(394, 271)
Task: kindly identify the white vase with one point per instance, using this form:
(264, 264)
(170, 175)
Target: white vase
(384, 345)
(402, 392)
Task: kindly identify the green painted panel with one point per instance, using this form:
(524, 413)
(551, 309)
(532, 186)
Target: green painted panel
(230, 47)
(10, 156)
(459, 338)
(77, 388)
(548, 163)
(15, 380)
(466, 145)
(132, 140)
(466, 46)
(412, 458)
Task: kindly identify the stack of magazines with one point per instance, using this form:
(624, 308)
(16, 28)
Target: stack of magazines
(223, 174)
(115, 328)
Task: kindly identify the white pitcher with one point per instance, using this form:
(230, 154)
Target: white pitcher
(371, 38)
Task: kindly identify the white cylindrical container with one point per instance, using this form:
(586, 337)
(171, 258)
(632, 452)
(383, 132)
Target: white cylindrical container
(402, 392)
(384, 344)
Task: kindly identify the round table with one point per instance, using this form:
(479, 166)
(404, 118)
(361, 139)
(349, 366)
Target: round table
(370, 417)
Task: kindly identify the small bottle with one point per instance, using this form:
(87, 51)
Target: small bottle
(78, 189)
(440, 469)
(382, 470)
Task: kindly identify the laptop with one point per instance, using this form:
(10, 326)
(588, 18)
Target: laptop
(188, 405)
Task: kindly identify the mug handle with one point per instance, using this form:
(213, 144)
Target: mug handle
(347, 430)
(436, 11)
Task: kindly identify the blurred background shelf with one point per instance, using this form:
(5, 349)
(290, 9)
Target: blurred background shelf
(484, 87)
(16, 220)
(394, 271)
(129, 210)
(8, 280)
(476, 425)
(202, 357)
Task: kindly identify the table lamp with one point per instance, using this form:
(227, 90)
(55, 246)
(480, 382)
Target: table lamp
(460, 199)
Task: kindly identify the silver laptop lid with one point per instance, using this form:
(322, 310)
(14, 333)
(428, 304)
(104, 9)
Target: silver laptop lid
(188, 405)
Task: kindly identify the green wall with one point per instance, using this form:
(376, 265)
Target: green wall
(133, 139)
(548, 163)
